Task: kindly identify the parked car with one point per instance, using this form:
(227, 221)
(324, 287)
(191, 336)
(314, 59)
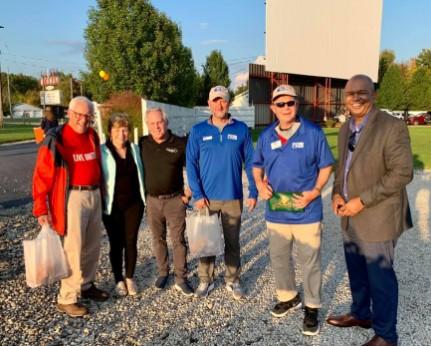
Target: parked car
(418, 119)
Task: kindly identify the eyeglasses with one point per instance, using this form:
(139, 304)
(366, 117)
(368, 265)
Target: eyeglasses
(82, 115)
(282, 104)
(352, 141)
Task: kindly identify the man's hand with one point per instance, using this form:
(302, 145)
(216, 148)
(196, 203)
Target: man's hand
(352, 207)
(265, 190)
(44, 220)
(251, 203)
(301, 201)
(185, 199)
(337, 203)
(201, 203)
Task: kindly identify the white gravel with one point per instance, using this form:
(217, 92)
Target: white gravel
(154, 317)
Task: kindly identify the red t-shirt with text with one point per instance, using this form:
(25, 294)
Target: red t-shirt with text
(80, 154)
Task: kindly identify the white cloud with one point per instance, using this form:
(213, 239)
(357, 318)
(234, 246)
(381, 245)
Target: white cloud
(261, 60)
(239, 79)
(210, 42)
(203, 25)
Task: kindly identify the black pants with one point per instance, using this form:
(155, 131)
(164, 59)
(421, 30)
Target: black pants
(122, 228)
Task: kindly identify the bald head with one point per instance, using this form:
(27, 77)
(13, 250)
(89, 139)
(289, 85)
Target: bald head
(359, 96)
(363, 79)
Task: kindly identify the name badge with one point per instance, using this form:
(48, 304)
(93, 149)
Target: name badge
(276, 145)
(207, 138)
(232, 137)
(297, 145)
(172, 150)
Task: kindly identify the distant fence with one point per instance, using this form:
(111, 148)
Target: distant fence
(181, 119)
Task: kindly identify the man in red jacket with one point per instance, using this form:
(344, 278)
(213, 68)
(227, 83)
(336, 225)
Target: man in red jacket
(66, 195)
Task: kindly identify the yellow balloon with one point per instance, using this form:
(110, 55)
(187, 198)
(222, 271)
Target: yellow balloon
(102, 74)
(106, 76)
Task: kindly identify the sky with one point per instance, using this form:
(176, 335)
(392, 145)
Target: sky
(43, 34)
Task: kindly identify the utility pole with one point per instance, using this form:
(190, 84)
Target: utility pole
(71, 87)
(8, 90)
(1, 99)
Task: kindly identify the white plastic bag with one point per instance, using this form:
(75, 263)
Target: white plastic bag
(205, 235)
(45, 262)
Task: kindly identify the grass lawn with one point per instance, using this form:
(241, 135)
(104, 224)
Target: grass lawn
(16, 132)
(420, 139)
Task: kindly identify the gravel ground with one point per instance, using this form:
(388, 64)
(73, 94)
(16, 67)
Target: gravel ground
(153, 317)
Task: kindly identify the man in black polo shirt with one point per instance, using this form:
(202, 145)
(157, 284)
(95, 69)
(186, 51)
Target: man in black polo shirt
(163, 156)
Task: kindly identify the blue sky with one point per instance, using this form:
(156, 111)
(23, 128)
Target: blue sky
(49, 33)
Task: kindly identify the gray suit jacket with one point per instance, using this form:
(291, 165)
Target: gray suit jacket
(380, 169)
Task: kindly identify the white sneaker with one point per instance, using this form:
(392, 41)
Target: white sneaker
(236, 290)
(203, 289)
(121, 289)
(132, 288)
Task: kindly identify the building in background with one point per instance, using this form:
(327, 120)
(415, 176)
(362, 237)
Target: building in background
(315, 45)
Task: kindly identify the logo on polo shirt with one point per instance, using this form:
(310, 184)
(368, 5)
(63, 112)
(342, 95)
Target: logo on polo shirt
(297, 145)
(207, 138)
(172, 150)
(232, 137)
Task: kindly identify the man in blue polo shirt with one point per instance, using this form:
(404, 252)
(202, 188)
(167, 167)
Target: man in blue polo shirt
(291, 165)
(216, 151)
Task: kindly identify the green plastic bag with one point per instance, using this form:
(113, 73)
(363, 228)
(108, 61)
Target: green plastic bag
(284, 201)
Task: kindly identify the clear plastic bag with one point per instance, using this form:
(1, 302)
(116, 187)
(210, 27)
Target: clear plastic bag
(204, 234)
(45, 262)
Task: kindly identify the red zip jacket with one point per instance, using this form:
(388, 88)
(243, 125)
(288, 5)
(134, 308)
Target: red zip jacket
(51, 179)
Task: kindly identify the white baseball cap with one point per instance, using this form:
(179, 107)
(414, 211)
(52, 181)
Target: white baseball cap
(283, 89)
(219, 91)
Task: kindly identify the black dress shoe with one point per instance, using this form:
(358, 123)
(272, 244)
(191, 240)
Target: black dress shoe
(95, 294)
(379, 341)
(348, 320)
(161, 281)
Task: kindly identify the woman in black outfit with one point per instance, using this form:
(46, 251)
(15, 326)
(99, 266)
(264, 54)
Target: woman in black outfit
(124, 198)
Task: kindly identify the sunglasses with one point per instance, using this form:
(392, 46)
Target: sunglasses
(282, 104)
(352, 141)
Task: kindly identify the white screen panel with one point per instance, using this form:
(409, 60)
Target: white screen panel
(327, 38)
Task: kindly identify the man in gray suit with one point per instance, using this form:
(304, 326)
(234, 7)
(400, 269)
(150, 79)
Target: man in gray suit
(369, 193)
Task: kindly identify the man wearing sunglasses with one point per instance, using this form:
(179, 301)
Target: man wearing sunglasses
(67, 197)
(217, 148)
(292, 164)
(369, 195)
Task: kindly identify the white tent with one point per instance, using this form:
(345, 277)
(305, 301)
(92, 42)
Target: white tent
(21, 110)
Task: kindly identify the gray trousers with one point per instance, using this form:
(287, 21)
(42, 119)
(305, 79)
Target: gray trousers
(171, 213)
(230, 213)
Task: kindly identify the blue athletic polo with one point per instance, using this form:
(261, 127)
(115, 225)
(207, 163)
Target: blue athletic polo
(294, 167)
(214, 160)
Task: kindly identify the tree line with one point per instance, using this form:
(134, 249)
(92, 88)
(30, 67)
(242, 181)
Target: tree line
(405, 86)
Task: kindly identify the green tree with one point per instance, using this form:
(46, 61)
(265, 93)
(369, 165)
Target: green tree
(424, 59)
(387, 57)
(419, 91)
(215, 72)
(241, 88)
(141, 49)
(393, 88)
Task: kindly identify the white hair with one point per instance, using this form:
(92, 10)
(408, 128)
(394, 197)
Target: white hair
(81, 99)
(156, 109)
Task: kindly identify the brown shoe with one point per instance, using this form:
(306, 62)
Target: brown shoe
(348, 321)
(95, 294)
(379, 341)
(73, 310)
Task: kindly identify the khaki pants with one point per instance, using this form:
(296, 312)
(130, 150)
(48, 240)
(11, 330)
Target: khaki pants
(307, 239)
(81, 243)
